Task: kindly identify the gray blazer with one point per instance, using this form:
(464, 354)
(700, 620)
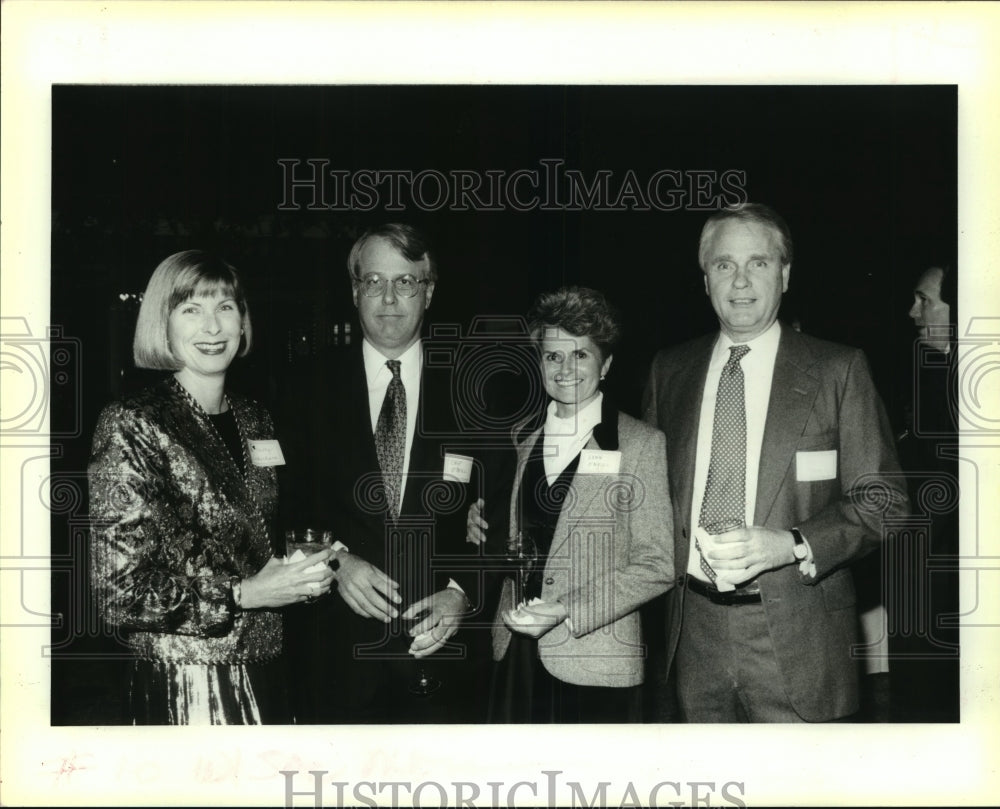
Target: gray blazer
(822, 399)
(612, 551)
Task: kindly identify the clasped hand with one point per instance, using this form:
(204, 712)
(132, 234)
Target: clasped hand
(440, 616)
(372, 594)
(744, 553)
(278, 584)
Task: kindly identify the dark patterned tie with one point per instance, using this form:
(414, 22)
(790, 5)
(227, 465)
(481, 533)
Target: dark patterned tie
(390, 438)
(724, 504)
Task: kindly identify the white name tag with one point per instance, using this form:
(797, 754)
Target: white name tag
(820, 465)
(266, 453)
(599, 462)
(457, 468)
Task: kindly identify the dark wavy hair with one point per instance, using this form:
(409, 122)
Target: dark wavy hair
(580, 311)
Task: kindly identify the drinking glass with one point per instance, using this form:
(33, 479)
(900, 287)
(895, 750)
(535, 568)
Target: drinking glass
(721, 527)
(423, 684)
(307, 540)
(523, 560)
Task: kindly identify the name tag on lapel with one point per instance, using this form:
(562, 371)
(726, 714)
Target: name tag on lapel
(266, 453)
(599, 462)
(457, 468)
(821, 465)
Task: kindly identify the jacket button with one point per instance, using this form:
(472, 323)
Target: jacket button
(550, 580)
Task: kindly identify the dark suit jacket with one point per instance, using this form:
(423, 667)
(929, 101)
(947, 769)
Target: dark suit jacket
(822, 398)
(333, 481)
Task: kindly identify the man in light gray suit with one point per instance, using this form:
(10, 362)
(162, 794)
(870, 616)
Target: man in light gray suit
(782, 472)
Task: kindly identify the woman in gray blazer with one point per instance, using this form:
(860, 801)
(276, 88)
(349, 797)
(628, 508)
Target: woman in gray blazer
(591, 526)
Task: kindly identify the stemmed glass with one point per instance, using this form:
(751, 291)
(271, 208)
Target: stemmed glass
(424, 684)
(523, 560)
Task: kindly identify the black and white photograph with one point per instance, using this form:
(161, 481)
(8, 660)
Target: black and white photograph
(505, 441)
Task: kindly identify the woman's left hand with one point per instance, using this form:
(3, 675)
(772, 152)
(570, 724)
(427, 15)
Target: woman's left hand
(537, 619)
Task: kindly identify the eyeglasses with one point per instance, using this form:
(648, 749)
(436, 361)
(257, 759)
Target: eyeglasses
(406, 286)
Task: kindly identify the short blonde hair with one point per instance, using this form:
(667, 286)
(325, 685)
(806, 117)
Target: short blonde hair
(747, 212)
(179, 278)
(409, 242)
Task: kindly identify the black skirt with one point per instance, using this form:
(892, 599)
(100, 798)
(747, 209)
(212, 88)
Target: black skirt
(523, 691)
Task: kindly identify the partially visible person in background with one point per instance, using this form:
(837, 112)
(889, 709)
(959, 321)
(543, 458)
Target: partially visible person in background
(924, 644)
(182, 488)
(590, 518)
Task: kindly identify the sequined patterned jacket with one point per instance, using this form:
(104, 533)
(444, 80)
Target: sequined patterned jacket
(174, 524)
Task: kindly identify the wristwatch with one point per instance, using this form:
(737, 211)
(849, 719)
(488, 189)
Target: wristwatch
(799, 549)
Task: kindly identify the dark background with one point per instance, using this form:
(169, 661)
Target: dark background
(865, 176)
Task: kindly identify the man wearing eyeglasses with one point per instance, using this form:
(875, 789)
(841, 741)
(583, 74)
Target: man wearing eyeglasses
(782, 472)
(381, 648)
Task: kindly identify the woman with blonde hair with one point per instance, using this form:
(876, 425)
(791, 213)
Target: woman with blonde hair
(182, 490)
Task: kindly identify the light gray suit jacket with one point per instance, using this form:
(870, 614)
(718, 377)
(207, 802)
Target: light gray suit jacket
(611, 552)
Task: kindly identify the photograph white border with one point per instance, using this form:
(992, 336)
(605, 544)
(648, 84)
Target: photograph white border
(533, 43)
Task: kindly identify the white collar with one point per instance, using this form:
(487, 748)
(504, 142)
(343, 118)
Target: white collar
(409, 360)
(765, 343)
(579, 424)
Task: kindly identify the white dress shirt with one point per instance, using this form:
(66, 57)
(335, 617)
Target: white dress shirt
(758, 369)
(378, 375)
(565, 437)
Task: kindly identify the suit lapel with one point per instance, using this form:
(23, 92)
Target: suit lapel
(362, 440)
(687, 390)
(585, 489)
(433, 422)
(523, 450)
(425, 451)
(793, 392)
(221, 471)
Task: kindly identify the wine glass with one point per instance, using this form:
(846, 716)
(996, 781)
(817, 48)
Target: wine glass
(524, 560)
(424, 684)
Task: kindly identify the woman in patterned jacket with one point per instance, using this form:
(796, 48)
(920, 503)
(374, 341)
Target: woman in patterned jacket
(182, 489)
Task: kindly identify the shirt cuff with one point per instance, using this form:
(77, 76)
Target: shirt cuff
(807, 567)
